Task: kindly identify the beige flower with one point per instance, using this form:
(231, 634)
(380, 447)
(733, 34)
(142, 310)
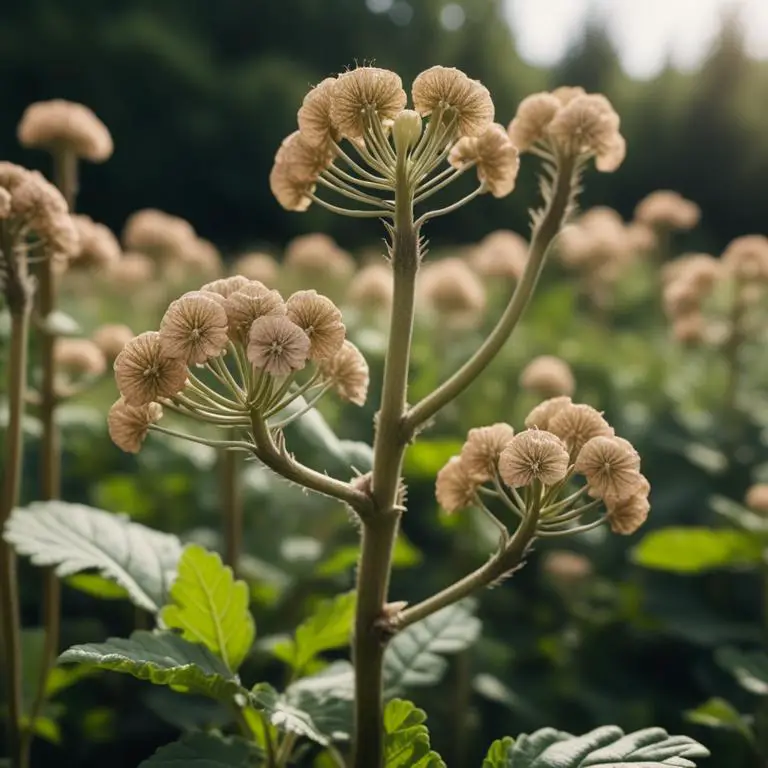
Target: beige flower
(534, 114)
(533, 455)
(454, 489)
(144, 373)
(252, 301)
(98, 246)
(226, 286)
(200, 257)
(746, 258)
(160, 235)
(257, 266)
(612, 154)
(5, 203)
(565, 94)
(111, 339)
(194, 328)
(682, 297)
(548, 376)
(133, 269)
(362, 93)
(452, 289)
(668, 209)
(320, 319)
(500, 254)
(626, 516)
(277, 346)
(541, 416)
(690, 329)
(611, 466)
(371, 288)
(64, 125)
(495, 156)
(481, 451)
(576, 424)
(128, 425)
(449, 89)
(347, 369)
(294, 173)
(314, 116)
(566, 567)
(757, 498)
(316, 255)
(79, 357)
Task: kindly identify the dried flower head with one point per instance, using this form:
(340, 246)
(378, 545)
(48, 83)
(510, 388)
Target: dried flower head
(454, 488)
(251, 302)
(565, 94)
(128, 425)
(98, 246)
(371, 288)
(362, 94)
(690, 329)
(757, 498)
(495, 156)
(533, 116)
(318, 255)
(320, 319)
(682, 297)
(79, 357)
(481, 451)
(160, 235)
(746, 258)
(145, 373)
(449, 91)
(533, 454)
(500, 254)
(133, 269)
(667, 209)
(60, 125)
(194, 328)
(5, 203)
(200, 257)
(541, 416)
(566, 567)
(314, 116)
(611, 466)
(257, 266)
(452, 289)
(576, 424)
(277, 346)
(111, 339)
(548, 376)
(224, 287)
(627, 515)
(347, 369)
(294, 173)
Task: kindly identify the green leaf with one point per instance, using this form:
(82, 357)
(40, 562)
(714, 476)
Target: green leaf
(162, 658)
(328, 627)
(718, 713)
(500, 753)
(74, 538)
(693, 550)
(749, 668)
(406, 740)
(202, 750)
(427, 457)
(343, 559)
(96, 586)
(283, 715)
(412, 659)
(605, 747)
(210, 607)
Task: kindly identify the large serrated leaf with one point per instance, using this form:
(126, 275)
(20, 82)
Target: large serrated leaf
(605, 747)
(202, 750)
(412, 659)
(500, 753)
(74, 538)
(210, 607)
(283, 715)
(163, 658)
(406, 741)
(327, 628)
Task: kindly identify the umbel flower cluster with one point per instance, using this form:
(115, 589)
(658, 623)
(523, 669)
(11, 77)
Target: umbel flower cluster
(231, 354)
(533, 473)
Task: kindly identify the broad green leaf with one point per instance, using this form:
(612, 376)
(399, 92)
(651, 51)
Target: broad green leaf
(327, 628)
(96, 586)
(283, 715)
(500, 753)
(203, 750)
(210, 607)
(718, 713)
(749, 668)
(427, 457)
(163, 658)
(406, 740)
(74, 538)
(605, 747)
(693, 550)
(412, 658)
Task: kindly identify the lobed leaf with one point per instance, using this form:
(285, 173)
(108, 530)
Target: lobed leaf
(500, 753)
(210, 607)
(74, 538)
(283, 715)
(406, 740)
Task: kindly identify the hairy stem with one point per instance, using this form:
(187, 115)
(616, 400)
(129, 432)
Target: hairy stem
(380, 528)
(547, 229)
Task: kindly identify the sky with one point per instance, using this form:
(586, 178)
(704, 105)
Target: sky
(647, 33)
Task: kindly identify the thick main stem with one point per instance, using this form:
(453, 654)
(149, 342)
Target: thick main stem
(232, 506)
(380, 528)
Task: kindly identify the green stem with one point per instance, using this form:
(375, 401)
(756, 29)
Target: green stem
(379, 529)
(232, 506)
(545, 232)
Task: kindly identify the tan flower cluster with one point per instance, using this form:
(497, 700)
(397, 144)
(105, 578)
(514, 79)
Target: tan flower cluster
(746, 259)
(111, 339)
(317, 256)
(571, 122)
(131, 271)
(65, 126)
(494, 156)
(500, 254)
(257, 266)
(452, 291)
(548, 376)
(79, 358)
(666, 209)
(99, 248)
(36, 207)
(128, 425)
(371, 288)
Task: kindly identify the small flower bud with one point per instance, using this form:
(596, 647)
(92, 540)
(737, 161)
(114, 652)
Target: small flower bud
(533, 455)
(406, 130)
(347, 369)
(454, 488)
(481, 451)
(548, 376)
(194, 328)
(128, 425)
(320, 319)
(277, 346)
(611, 466)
